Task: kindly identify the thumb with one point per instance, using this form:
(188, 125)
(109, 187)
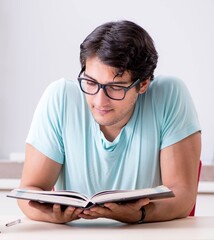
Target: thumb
(142, 202)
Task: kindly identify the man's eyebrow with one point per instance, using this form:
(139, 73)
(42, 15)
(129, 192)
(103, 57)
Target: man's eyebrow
(111, 83)
(86, 75)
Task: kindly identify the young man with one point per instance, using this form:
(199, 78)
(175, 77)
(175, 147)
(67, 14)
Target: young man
(114, 128)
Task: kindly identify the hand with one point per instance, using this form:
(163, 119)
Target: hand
(128, 213)
(54, 213)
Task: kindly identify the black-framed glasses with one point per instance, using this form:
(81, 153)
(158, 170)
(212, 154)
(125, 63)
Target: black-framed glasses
(113, 91)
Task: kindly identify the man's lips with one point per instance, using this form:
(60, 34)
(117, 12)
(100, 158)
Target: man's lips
(103, 111)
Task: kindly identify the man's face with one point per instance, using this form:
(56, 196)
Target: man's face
(108, 112)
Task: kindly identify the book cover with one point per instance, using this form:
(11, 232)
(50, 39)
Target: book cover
(76, 199)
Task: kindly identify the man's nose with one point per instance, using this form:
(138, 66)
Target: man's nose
(101, 97)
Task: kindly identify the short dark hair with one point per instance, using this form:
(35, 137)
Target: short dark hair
(123, 45)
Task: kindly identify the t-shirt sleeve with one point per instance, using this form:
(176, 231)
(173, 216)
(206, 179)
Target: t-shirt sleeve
(178, 114)
(45, 133)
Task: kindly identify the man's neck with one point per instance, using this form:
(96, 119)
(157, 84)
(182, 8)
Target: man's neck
(110, 132)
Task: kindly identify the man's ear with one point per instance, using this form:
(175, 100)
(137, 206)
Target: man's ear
(144, 85)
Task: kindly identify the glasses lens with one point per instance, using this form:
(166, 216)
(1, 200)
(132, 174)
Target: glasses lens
(115, 92)
(89, 86)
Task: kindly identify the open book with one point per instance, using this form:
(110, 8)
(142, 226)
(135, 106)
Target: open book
(79, 200)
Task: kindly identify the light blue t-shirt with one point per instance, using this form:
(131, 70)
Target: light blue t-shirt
(64, 130)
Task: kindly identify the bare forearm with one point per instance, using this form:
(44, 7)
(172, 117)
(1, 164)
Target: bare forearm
(31, 212)
(168, 209)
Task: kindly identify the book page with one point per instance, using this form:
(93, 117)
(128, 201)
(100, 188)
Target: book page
(55, 193)
(129, 195)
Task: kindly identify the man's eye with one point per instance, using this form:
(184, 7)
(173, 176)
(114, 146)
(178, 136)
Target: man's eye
(115, 88)
(90, 83)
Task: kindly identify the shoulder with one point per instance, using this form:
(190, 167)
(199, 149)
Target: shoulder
(167, 82)
(168, 87)
(62, 89)
(62, 85)
(59, 94)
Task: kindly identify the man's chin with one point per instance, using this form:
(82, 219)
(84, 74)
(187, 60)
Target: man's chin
(102, 121)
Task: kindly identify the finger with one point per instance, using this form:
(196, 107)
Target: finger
(86, 216)
(69, 210)
(142, 202)
(93, 213)
(44, 207)
(97, 211)
(57, 213)
(34, 204)
(123, 212)
(111, 206)
(69, 213)
(76, 213)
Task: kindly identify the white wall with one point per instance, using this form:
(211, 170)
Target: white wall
(39, 43)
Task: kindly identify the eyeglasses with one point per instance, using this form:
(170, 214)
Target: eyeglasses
(113, 91)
